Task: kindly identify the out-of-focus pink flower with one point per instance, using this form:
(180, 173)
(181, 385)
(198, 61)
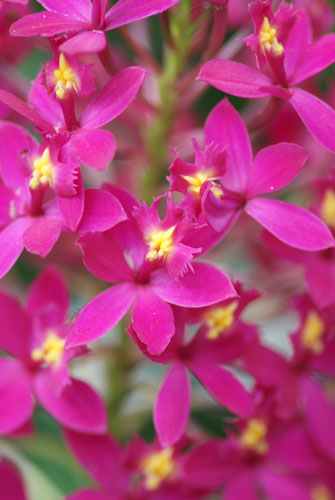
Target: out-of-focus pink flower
(34, 339)
(158, 471)
(292, 59)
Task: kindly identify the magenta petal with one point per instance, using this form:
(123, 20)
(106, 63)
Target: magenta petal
(299, 37)
(128, 11)
(234, 78)
(100, 456)
(225, 127)
(320, 279)
(206, 285)
(16, 402)
(172, 407)
(224, 387)
(320, 416)
(113, 98)
(101, 314)
(24, 109)
(77, 406)
(14, 331)
(103, 256)
(315, 58)
(11, 243)
(275, 167)
(78, 9)
(45, 24)
(11, 485)
(93, 148)
(242, 487)
(102, 211)
(318, 117)
(41, 236)
(49, 295)
(88, 494)
(280, 487)
(293, 225)
(86, 42)
(153, 320)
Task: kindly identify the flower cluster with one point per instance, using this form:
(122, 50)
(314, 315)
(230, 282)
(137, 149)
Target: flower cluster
(196, 234)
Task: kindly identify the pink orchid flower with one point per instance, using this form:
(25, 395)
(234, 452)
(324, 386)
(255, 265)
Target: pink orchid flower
(29, 218)
(292, 59)
(152, 269)
(87, 21)
(245, 179)
(37, 366)
(203, 357)
(158, 471)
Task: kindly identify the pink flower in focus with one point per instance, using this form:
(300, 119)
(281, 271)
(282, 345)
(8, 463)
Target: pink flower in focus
(37, 366)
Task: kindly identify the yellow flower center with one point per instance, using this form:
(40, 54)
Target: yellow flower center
(157, 467)
(328, 208)
(268, 39)
(219, 319)
(321, 492)
(312, 332)
(43, 170)
(51, 350)
(160, 244)
(197, 180)
(253, 436)
(66, 78)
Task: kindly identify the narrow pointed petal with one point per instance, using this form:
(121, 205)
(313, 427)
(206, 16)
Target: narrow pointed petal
(42, 235)
(49, 294)
(103, 256)
(299, 38)
(16, 402)
(101, 314)
(128, 11)
(318, 117)
(206, 285)
(103, 450)
(77, 406)
(224, 387)
(114, 97)
(11, 243)
(93, 148)
(293, 225)
(153, 320)
(225, 127)
(172, 407)
(24, 109)
(102, 211)
(15, 325)
(86, 42)
(78, 9)
(235, 78)
(318, 56)
(45, 24)
(275, 167)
